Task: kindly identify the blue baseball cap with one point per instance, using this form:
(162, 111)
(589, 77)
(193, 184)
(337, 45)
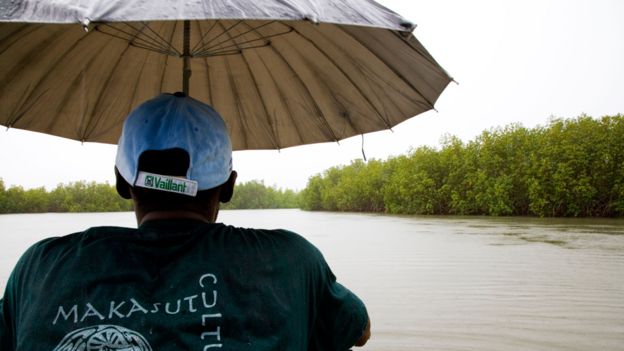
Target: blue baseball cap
(176, 121)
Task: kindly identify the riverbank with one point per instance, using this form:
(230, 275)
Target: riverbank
(568, 168)
(102, 197)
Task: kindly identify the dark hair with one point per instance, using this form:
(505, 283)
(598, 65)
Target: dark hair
(172, 162)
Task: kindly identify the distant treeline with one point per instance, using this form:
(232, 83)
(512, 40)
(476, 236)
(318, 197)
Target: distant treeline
(72, 197)
(567, 168)
(97, 197)
(256, 195)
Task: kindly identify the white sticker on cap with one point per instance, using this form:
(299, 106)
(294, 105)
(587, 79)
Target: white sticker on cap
(166, 183)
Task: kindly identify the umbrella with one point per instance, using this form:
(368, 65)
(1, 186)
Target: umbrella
(280, 72)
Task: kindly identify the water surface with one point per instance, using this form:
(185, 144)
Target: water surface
(439, 283)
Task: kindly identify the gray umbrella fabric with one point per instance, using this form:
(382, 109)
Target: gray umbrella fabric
(281, 73)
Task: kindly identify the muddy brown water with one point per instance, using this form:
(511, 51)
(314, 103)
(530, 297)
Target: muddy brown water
(439, 283)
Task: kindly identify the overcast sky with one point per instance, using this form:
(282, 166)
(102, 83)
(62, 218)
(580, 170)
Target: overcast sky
(515, 61)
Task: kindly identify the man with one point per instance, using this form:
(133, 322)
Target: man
(180, 281)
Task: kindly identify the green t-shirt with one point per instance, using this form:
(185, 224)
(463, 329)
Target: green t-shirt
(177, 285)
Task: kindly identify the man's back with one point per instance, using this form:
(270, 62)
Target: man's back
(179, 282)
(178, 285)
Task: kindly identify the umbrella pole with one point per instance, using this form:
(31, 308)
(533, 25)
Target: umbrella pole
(186, 57)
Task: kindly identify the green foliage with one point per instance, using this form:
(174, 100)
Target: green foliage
(94, 197)
(256, 195)
(72, 197)
(567, 168)
(87, 197)
(357, 187)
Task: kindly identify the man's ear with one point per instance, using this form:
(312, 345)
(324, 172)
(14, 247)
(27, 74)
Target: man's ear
(227, 189)
(123, 188)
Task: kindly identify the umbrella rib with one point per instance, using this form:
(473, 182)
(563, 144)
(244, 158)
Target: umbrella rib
(67, 97)
(357, 87)
(148, 48)
(208, 81)
(53, 67)
(162, 76)
(201, 39)
(285, 101)
(25, 102)
(206, 64)
(237, 102)
(231, 51)
(206, 52)
(338, 103)
(169, 44)
(424, 54)
(398, 74)
(158, 42)
(224, 31)
(220, 53)
(271, 133)
(135, 90)
(319, 112)
(49, 41)
(144, 41)
(282, 98)
(90, 126)
(235, 49)
(13, 29)
(141, 46)
(19, 111)
(232, 39)
(15, 38)
(130, 37)
(271, 130)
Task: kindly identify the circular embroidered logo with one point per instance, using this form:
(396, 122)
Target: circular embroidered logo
(103, 338)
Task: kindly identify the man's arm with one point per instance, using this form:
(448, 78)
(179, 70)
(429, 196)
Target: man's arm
(3, 329)
(6, 334)
(365, 336)
(342, 321)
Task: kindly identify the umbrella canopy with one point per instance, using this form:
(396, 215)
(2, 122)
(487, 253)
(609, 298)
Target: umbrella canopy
(281, 73)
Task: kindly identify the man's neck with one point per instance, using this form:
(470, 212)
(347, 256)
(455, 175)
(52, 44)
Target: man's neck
(156, 215)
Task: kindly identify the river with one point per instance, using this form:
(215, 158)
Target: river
(439, 283)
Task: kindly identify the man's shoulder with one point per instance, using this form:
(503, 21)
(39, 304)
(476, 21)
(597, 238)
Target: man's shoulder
(46, 246)
(46, 253)
(279, 240)
(271, 234)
